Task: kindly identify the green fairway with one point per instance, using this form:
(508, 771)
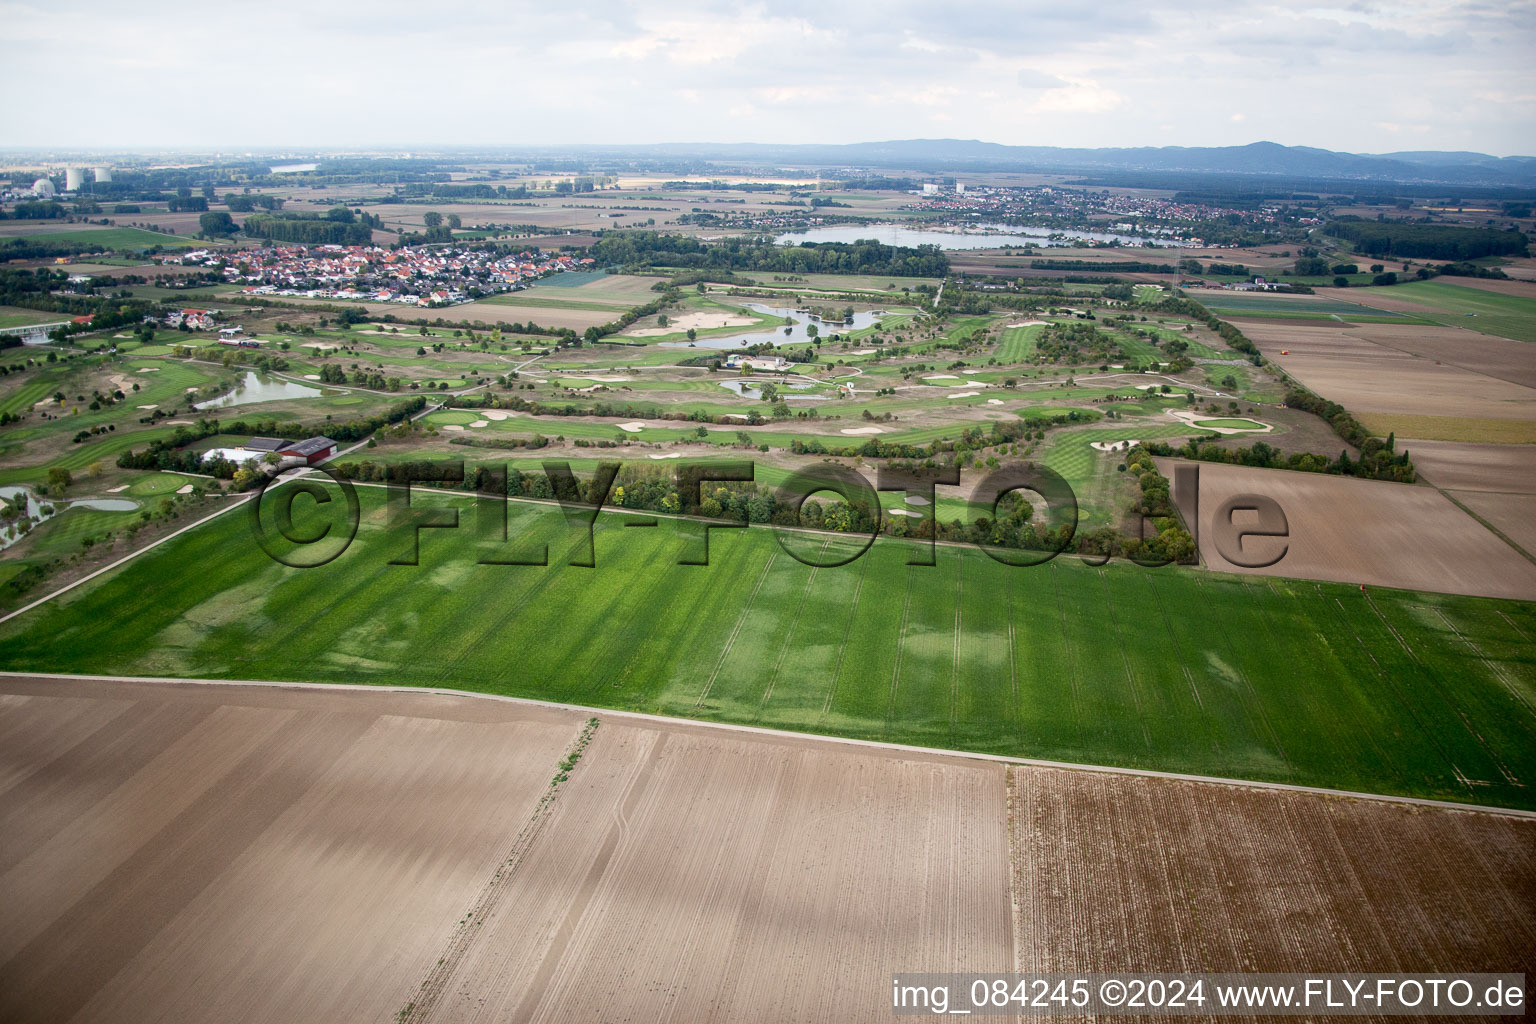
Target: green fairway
(1018, 344)
(1165, 669)
(157, 483)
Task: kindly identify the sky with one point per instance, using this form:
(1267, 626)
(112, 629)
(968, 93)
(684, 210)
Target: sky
(1360, 77)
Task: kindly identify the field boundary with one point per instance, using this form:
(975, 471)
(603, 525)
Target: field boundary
(674, 721)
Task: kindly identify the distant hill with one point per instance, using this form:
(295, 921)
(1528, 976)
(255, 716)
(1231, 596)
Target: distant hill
(1258, 158)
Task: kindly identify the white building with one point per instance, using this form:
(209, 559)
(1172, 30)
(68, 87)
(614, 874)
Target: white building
(738, 361)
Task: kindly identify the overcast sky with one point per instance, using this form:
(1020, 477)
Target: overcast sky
(1362, 77)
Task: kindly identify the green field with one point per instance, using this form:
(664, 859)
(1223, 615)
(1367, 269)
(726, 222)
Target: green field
(117, 238)
(1166, 669)
(12, 316)
(1504, 316)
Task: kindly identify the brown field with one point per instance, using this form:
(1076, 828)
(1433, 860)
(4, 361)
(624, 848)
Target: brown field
(1205, 878)
(1348, 367)
(1510, 514)
(1475, 467)
(1366, 531)
(188, 852)
(1487, 354)
(1451, 428)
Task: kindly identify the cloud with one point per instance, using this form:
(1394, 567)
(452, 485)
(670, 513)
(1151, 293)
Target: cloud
(1337, 73)
(1032, 79)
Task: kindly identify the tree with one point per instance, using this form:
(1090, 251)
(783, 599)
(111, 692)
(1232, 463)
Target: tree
(454, 221)
(219, 223)
(692, 334)
(432, 219)
(59, 480)
(770, 392)
(811, 330)
(662, 321)
(1341, 281)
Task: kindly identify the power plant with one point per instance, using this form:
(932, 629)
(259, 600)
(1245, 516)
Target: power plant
(43, 188)
(74, 179)
(103, 174)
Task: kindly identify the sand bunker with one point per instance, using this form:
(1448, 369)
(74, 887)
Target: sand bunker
(149, 407)
(633, 426)
(184, 489)
(965, 394)
(119, 487)
(903, 512)
(673, 455)
(1113, 446)
(696, 321)
(311, 376)
(147, 369)
(942, 376)
(994, 401)
(481, 423)
(863, 430)
(606, 380)
(1189, 417)
(916, 499)
(1030, 323)
(495, 414)
(452, 426)
(862, 352)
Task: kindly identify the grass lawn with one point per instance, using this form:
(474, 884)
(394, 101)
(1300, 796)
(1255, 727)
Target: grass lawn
(13, 316)
(1225, 424)
(156, 483)
(1170, 669)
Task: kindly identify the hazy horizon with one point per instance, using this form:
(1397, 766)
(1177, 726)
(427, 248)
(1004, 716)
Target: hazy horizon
(1352, 77)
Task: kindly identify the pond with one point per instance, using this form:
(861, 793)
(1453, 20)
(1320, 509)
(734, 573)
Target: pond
(256, 388)
(750, 391)
(797, 330)
(35, 507)
(977, 236)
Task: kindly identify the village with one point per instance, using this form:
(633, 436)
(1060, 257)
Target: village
(413, 275)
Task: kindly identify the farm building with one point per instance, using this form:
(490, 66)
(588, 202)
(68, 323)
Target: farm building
(310, 451)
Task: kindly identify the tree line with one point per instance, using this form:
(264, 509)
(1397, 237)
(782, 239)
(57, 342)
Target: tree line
(1428, 241)
(866, 256)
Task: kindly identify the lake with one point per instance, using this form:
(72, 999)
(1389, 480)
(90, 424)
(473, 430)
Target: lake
(56, 506)
(981, 236)
(797, 331)
(256, 388)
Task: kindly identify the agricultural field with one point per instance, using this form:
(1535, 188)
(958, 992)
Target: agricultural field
(1114, 874)
(111, 238)
(1504, 314)
(1366, 377)
(1363, 532)
(308, 854)
(1117, 664)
